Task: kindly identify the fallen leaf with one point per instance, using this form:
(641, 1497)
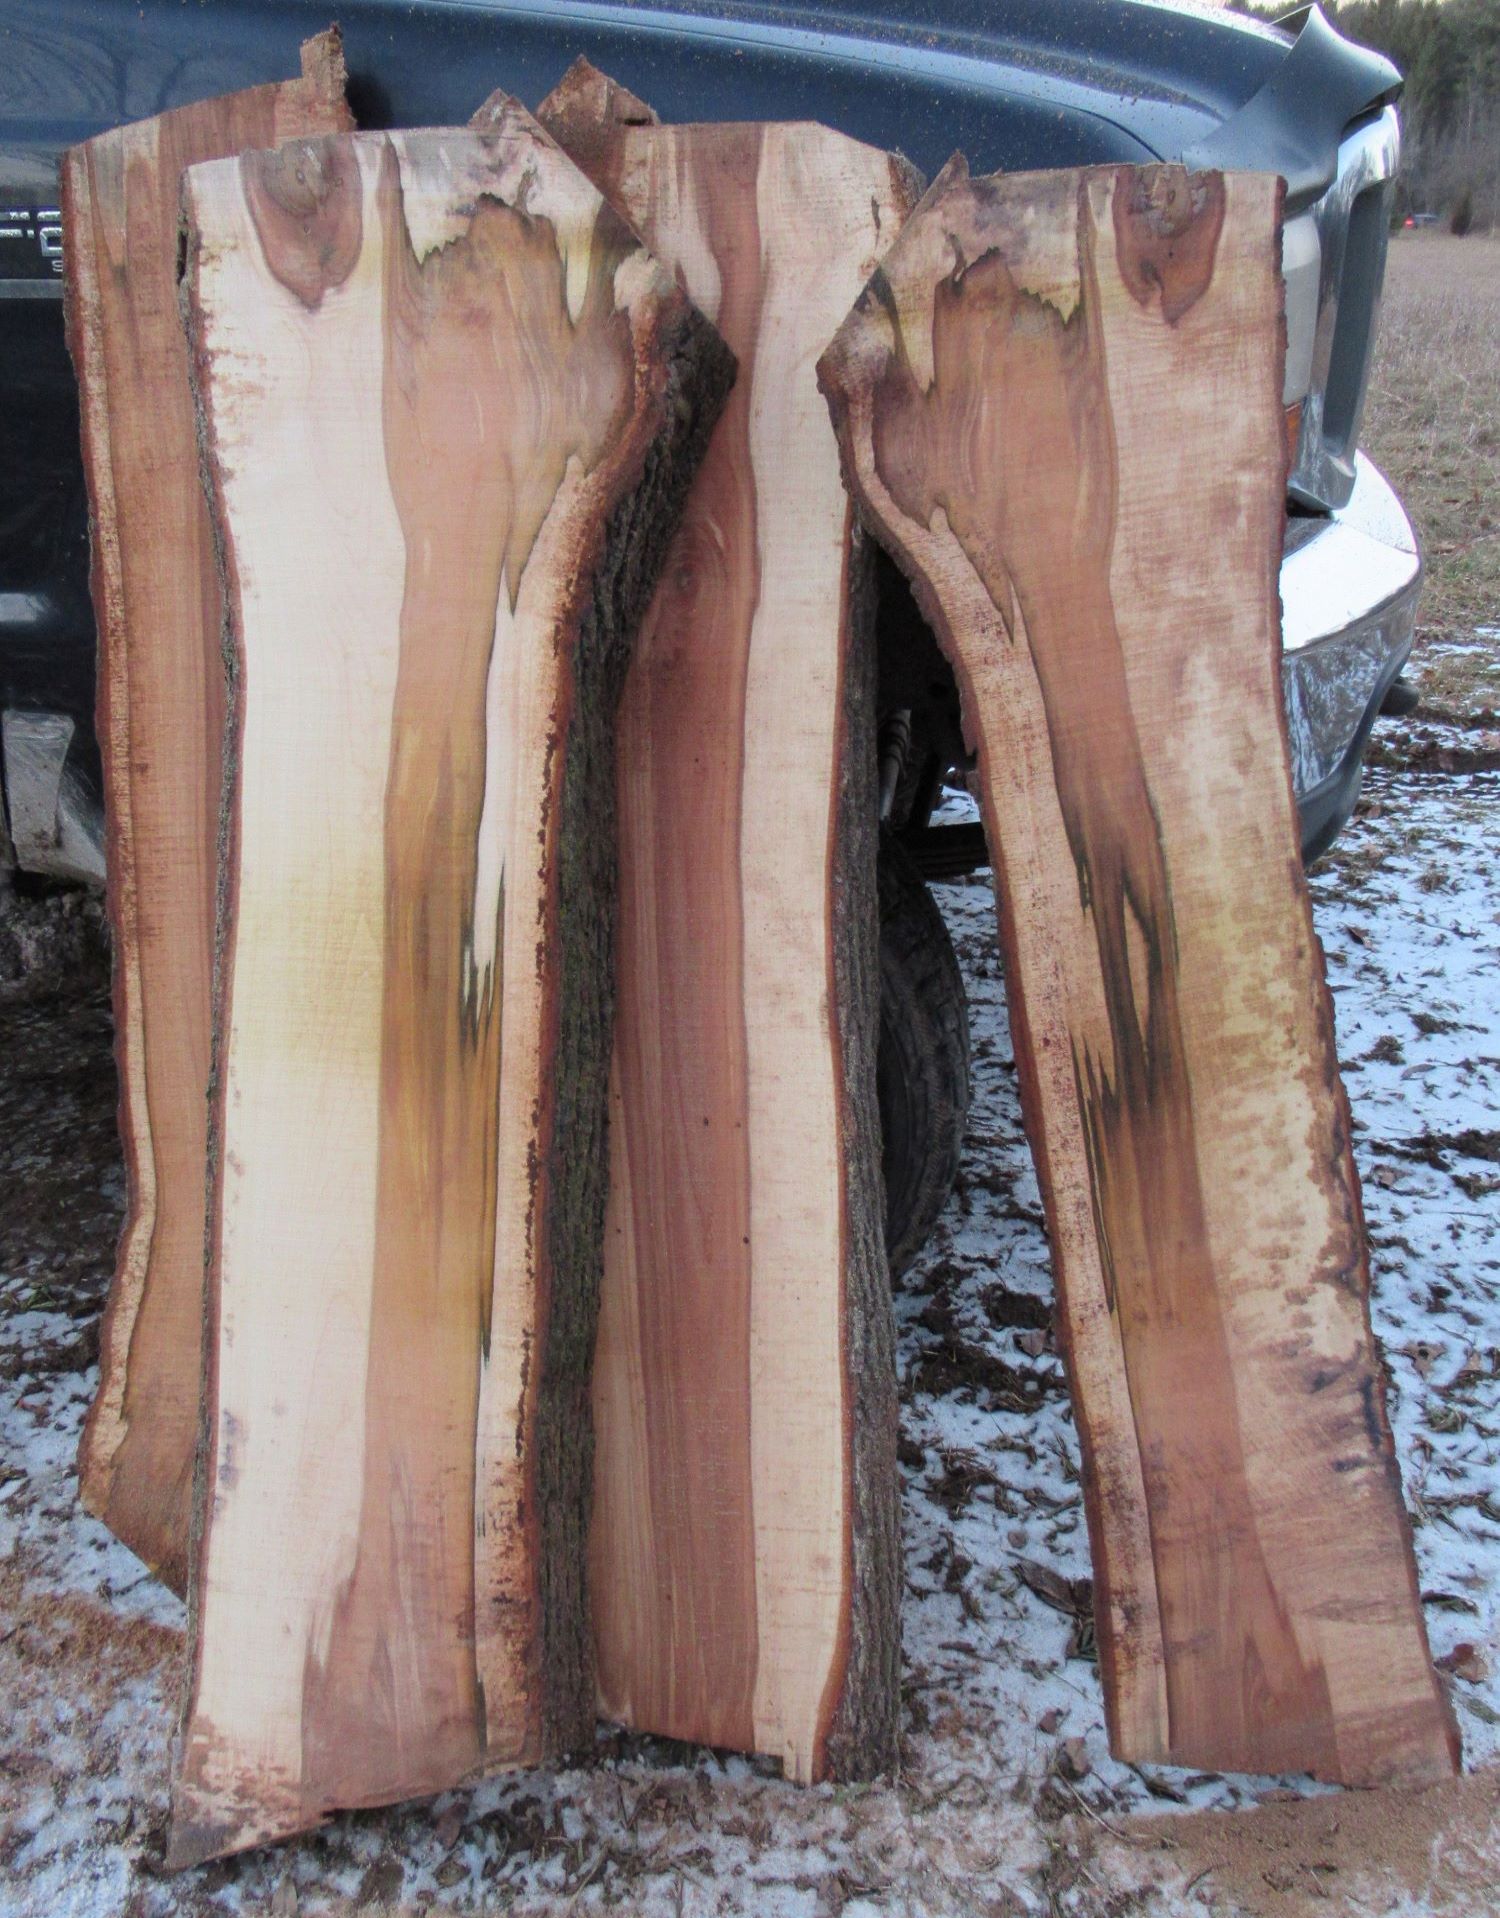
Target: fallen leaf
(1049, 1586)
(1423, 1354)
(381, 1885)
(1074, 1596)
(1465, 1661)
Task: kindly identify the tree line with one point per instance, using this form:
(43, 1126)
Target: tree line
(1449, 53)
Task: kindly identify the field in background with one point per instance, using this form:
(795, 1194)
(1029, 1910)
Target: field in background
(1432, 422)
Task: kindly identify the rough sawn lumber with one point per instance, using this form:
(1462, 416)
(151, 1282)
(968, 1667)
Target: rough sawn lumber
(449, 407)
(159, 720)
(1059, 402)
(745, 1550)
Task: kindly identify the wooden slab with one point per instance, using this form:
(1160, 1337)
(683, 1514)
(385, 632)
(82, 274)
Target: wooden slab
(745, 1554)
(449, 407)
(160, 716)
(1060, 403)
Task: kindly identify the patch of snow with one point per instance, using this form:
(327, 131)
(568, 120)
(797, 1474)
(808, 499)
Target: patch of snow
(955, 807)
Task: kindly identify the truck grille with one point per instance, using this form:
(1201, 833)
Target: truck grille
(1353, 224)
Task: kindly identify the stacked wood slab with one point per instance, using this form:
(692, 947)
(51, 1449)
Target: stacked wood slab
(160, 720)
(1059, 404)
(452, 389)
(447, 401)
(745, 1557)
(447, 406)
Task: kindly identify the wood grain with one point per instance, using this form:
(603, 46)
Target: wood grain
(449, 407)
(745, 1556)
(1059, 402)
(160, 716)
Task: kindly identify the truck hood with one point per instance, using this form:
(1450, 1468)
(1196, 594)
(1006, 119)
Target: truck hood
(1293, 124)
(1016, 84)
(1117, 78)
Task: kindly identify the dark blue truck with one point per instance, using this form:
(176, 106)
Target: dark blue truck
(1015, 84)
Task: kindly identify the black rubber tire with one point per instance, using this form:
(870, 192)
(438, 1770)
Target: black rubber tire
(922, 1071)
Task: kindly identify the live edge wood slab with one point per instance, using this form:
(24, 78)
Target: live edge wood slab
(449, 406)
(160, 718)
(1059, 402)
(745, 1551)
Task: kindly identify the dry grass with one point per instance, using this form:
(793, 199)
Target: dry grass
(1433, 423)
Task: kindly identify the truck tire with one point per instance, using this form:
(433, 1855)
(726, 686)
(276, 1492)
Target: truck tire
(922, 1069)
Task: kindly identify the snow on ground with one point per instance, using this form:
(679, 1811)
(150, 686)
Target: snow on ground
(1007, 1801)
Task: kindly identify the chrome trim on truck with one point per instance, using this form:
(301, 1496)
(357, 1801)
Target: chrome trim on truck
(1301, 271)
(1353, 223)
(1349, 586)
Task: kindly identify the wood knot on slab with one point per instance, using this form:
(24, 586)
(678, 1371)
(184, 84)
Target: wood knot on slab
(305, 201)
(1167, 225)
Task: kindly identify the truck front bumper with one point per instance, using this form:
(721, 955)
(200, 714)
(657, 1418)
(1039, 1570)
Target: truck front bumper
(1349, 585)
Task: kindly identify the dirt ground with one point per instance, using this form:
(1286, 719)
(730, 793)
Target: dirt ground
(1007, 1802)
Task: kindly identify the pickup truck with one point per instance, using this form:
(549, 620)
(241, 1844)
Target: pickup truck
(1013, 83)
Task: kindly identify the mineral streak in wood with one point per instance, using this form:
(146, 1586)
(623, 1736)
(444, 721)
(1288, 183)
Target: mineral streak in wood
(160, 718)
(449, 406)
(745, 1559)
(1019, 394)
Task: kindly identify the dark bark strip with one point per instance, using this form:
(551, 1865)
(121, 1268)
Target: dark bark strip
(634, 552)
(859, 1719)
(748, 1583)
